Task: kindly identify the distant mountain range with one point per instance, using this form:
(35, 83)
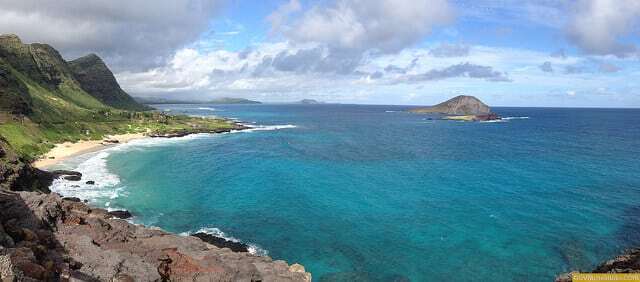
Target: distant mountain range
(223, 100)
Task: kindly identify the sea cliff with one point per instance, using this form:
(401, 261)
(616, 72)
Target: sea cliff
(48, 237)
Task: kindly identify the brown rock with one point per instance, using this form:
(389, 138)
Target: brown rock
(97, 246)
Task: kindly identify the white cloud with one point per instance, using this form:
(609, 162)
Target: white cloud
(127, 34)
(385, 25)
(599, 25)
(280, 15)
(450, 50)
(290, 71)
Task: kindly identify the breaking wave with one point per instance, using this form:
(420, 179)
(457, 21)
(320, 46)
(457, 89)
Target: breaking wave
(267, 127)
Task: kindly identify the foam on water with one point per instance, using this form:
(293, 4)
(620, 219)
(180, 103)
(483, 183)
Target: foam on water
(505, 119)
(107, 185)
(95, 169)
(207, 109)
(510, 118)
(268, 127)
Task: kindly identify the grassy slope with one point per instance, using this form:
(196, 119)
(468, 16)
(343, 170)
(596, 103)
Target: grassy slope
(67, 113)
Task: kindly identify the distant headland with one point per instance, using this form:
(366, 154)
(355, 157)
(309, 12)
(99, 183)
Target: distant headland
(223, 100)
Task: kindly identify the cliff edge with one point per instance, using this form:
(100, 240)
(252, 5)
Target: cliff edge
(44, 237)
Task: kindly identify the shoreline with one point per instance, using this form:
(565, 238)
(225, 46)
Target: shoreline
(66, 150)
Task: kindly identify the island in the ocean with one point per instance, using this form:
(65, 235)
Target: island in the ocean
(465, 108)
(219, 101)
(46, 101)
(309, 102)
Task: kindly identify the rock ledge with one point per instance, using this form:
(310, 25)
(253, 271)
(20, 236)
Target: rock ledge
(43, 237)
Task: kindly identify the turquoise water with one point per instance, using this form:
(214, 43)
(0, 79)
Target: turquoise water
(370, 193)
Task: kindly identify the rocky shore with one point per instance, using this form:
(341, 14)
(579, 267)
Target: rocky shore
(182, 133)
(628, 262)
(47, 237)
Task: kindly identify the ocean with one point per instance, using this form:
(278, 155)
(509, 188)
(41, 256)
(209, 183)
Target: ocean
(373, 193)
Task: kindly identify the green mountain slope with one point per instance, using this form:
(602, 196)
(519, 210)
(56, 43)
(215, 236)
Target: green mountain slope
(97, 80)
(14, 96)
(45, 100)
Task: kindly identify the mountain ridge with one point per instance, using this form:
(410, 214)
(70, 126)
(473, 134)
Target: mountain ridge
(96, 79)
(222, 100)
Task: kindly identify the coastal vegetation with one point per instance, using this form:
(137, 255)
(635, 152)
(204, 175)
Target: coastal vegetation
(46, 100)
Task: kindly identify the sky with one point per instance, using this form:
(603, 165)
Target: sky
(552, 53)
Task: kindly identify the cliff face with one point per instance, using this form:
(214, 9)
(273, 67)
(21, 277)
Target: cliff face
(86, 82)
(40, 62)
(14, 95)
(460, 105)
(96, 79)
(46, 237)
(17, 174)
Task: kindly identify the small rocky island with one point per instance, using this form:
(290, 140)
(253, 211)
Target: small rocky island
(309, 102)
(466, 108)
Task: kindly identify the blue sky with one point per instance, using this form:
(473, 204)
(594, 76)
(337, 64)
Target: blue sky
(581, 53)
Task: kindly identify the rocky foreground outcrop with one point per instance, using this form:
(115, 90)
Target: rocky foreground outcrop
(629, 262)
(18, 175)
(46, 237)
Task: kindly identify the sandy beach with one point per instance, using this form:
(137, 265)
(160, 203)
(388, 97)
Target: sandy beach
(68, 149)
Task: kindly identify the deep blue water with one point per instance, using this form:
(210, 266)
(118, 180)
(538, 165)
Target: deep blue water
(372, 193)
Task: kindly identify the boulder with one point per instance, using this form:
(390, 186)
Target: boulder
(73, 177)
(121, 214)
(222, 242)
(62, 172)
(71, 199)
